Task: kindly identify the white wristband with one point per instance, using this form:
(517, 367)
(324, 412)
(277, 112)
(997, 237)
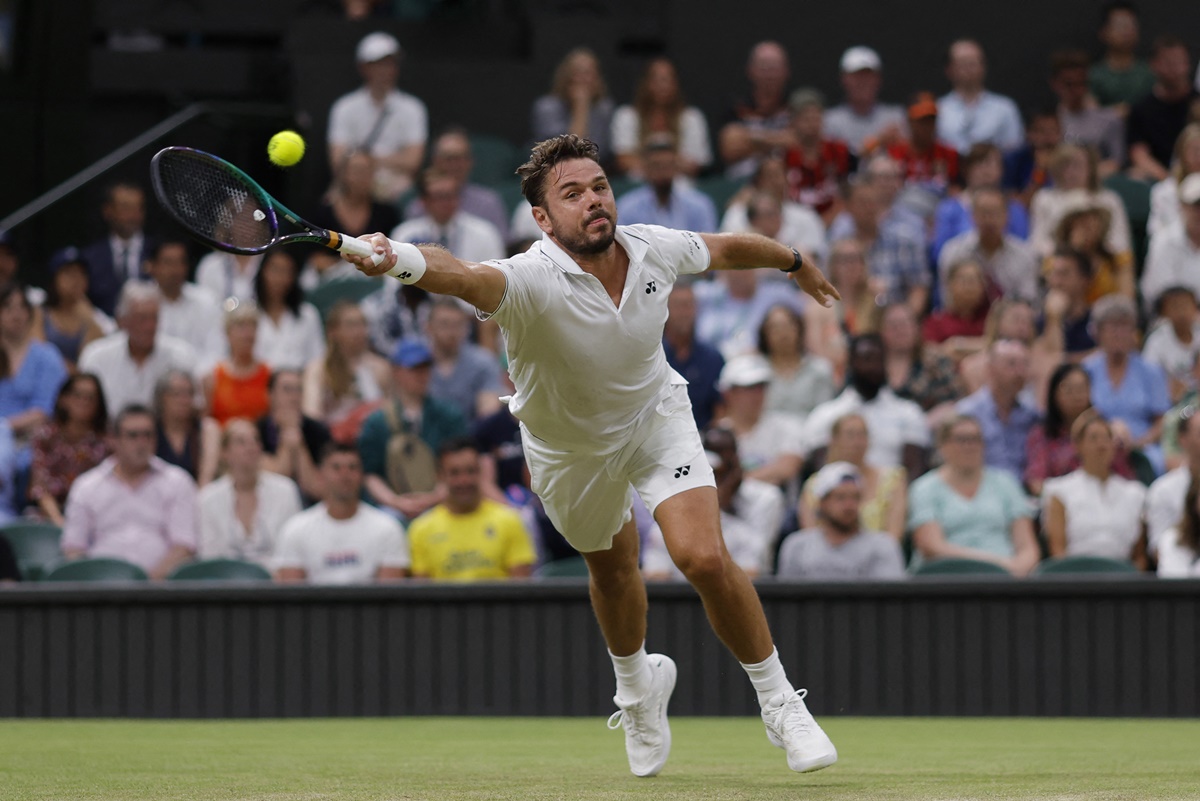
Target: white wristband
(410, 263)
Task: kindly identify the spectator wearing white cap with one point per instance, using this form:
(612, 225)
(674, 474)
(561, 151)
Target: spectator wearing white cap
(391, 125)
(769, 443)
(1174, 256)
(861, 121)
(837, 548)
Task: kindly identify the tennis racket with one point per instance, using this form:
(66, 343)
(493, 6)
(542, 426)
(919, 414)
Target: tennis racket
(225, 208)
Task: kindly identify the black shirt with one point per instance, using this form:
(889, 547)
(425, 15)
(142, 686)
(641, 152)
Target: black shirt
(315, 434)
(1157, 124)
(8, 562)
(499, 434)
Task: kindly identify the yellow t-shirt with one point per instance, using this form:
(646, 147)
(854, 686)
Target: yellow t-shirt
(484, 544)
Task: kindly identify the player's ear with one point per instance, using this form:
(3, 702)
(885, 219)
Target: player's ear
(542, 219)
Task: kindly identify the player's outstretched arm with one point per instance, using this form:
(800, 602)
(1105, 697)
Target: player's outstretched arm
(748, 251)
(478, 284)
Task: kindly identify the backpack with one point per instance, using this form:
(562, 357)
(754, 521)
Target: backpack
(411, 466)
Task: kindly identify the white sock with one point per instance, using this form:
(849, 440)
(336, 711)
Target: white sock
(633, 675)
(769, 678)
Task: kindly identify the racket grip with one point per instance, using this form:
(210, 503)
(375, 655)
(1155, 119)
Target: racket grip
(357, 247)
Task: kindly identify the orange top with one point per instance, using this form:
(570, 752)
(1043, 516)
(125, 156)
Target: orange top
(239, 397)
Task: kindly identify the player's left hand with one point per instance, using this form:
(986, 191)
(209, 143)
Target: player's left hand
(813, 282)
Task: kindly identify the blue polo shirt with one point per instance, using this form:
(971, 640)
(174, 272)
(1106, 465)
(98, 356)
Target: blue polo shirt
(702, 369)
(1003, 440)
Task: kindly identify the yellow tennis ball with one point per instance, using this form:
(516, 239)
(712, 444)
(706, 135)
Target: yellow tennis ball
(285, 148)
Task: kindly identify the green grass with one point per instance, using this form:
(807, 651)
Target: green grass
(540, 758)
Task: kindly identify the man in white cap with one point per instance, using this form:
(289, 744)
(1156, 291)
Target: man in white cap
(1174, 255)
(861, 121)
(837, 548)
(770, 443)
(389, 124)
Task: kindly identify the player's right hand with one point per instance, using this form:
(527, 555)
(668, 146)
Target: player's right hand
(383, 246)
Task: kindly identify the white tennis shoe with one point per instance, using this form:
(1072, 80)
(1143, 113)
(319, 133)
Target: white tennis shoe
(647, 732)
(792, 727)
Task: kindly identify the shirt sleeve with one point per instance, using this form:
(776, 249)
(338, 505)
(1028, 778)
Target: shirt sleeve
(1016, 503)
(922, 502)
(395, 546)
(288, 553)
(525, 292)
(624, 131)
(1156, 387)
(683, 251)
(887, 563)
(181, 515)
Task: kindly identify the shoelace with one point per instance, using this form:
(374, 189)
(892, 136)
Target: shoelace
(790, 717)
(633, 723)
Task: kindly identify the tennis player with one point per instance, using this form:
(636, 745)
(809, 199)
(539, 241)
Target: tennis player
(602, 415)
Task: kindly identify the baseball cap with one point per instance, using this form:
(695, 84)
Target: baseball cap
(831, 476)
(803, 98)
(747, 370)
(1189, 190)
(411, 353)
(61, 258)
(923, 105)
(375, 46)
(860, 58)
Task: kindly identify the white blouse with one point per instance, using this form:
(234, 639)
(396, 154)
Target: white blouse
(222, 535)
(1103, 519)
(294, 342)
(1176, 560)
(693, 134)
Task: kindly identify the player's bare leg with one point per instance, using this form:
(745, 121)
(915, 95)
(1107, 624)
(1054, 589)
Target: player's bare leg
(644, 681)
(691, 527)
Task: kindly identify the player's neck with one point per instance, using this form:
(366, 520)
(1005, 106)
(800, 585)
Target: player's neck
(603, 265)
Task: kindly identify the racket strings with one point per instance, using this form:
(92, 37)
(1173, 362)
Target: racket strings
(214, 202)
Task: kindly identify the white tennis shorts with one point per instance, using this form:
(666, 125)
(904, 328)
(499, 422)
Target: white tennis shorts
(588, 497)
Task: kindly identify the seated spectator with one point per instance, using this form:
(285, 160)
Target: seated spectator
(839, 547)
(341, 540)
(1005, 412)
(1179, 546)
(10, 503)
(465, 375)
(237, 386)
(291, 441)
(861, 121)
(926, 162)
(31, 371)
(921, 374)
(764, 216)
(1155, 121)
(1174, 255)
(801, 226)
(958, 325)
(1076, 184)
(186, 311)
(133, 505)
(1083, 121)
(1119, 79)
(758, 124)
(900, 432)
(1049, 450)
(883, 504)
(1127, 389)
(186, 438)
(1174, 343)
(243, 511)
(768, 443)
(897, 260)
(1091, 511)
(800, 381)
(856, 313)
(451, 155)
(71, 443)
(578, 103)
(899, 215)
(1085, 228)
(348, 207)
(468, 537)
(700, 364)
(982, 168)
(751, 514)
(130, 362)
(445, 223)
(1164, 196)
(659, 108)
(398, 441)
(118, 258)
(228, 275)
(9, 569)
(665, 199)
(1067, 311)
(733, 305)
(1164, 498)
(1027, 169)
(815, 165)
(1015, 320)
(969, 114)
(397, 311)
(966, 510)
(349, 382)
(289, 329)
(379, 118)
(1009, 264)
(66, 318)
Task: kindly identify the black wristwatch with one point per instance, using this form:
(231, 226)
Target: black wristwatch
(797, 263)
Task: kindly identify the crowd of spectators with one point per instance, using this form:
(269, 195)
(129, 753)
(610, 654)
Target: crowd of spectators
(1012, 373)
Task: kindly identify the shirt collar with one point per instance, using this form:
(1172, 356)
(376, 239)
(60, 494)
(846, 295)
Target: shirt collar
(635, 247)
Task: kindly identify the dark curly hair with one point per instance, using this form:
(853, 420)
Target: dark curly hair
(545, 156)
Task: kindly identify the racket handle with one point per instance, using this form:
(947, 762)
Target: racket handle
(357, 247)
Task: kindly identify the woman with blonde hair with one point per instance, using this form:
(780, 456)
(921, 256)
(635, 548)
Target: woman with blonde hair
(237, 386)
(1164, 197)
(349, 381)
(578, 103)
(659, 108)
(1076, 183)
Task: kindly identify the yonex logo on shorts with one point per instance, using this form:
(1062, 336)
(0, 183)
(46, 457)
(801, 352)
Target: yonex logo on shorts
(682, 471)
(650, 287)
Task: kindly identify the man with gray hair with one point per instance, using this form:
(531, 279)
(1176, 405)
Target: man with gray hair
(1003, 409)
(129, 362)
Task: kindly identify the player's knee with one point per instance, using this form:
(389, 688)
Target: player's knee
(703, 566)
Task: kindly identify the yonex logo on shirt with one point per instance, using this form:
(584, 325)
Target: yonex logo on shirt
(650, 287)
(682, 471)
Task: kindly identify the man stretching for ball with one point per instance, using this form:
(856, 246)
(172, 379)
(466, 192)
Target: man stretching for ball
(603, 415)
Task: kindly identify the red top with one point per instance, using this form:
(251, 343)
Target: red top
(939, 166)
(239, 397)
(941, 325)
(815, 183)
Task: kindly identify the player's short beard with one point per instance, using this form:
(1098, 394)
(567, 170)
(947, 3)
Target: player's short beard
(583, 243)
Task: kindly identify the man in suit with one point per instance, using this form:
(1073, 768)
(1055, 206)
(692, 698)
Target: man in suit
(119, 256)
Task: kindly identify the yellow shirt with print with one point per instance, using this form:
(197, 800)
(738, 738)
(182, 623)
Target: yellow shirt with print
(482, 545)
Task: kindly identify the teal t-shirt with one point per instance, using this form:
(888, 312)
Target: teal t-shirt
(1110, 87)
(983, 522)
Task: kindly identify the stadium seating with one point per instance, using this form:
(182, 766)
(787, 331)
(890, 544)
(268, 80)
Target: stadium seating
(574, 567)
(35, 545)
(352, 289)
(959, 567)
(97, 570)
(220, 570)
(720, 189)
(496, 160)
(1083, 564)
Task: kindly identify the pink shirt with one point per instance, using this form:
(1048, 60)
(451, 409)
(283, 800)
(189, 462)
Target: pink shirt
(105, 516)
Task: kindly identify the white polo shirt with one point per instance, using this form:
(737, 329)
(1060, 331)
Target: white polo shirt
(585, 370)
(1103, 519)
(341, 551)
(1164, 504)
(892, 423)
(124, 381)
(353, 116)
